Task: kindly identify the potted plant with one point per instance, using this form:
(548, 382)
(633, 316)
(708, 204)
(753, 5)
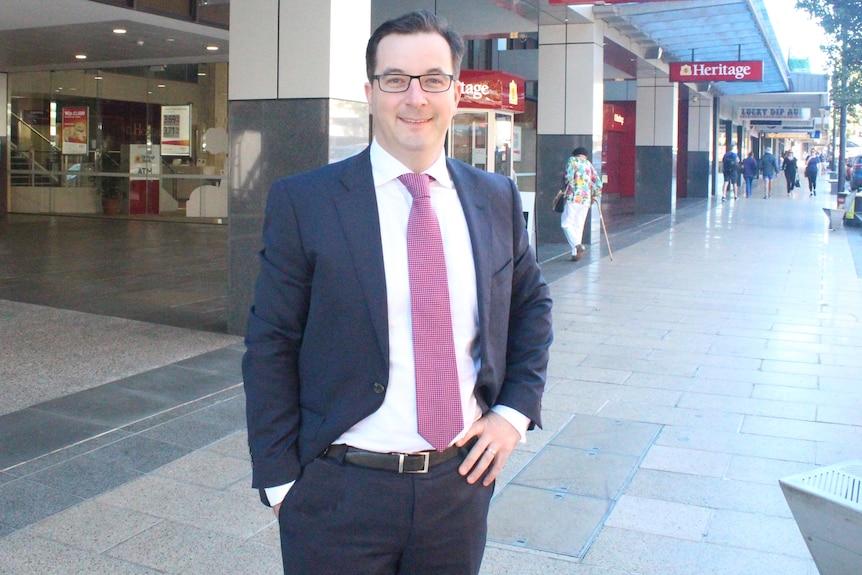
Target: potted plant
(110, 191)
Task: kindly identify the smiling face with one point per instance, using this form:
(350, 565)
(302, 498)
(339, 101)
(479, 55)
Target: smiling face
(412, 125)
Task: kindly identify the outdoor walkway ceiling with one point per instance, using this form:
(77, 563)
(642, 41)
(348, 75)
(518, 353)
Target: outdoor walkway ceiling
(706, 31)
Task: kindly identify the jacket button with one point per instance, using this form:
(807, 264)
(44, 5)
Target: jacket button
(378, 388)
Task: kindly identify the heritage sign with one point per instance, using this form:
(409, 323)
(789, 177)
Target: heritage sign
(733, 71)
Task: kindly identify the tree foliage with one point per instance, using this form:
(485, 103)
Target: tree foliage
(842, 22)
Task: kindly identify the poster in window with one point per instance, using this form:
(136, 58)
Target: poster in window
(75, 130)
(176, 130)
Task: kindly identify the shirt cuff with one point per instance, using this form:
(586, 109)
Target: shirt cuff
(276, 495)
(518, 420)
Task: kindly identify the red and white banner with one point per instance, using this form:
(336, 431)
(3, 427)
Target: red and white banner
(75, 130)
(733, 71)
(492, 89)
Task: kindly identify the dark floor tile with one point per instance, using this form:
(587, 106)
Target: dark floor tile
(177, 384)
(183, 410)
(86, 476)
(109, 405)
(61, 455)
(203, 427)
(143, 454)
(24, 502)
(29, 433)
(5, 530)
(226, 362)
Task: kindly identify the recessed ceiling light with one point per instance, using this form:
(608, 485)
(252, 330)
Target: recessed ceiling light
(97, 77)
(81, 56)
(202, 73)
(212, 48)
(119, 30)
(160, 85)
(170, 39)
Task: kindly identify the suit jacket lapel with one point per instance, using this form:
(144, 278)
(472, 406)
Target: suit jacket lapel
(475, 201)
(356, 204)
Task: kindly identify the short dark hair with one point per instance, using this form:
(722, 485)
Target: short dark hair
(579, 151)
(415, 23)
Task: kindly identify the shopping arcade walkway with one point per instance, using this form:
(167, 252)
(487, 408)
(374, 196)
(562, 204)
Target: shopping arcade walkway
(725, 343)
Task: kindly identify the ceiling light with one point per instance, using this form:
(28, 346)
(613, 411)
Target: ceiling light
(81, 56)
(98, 78)
(202, 73)
(212, 48)
(160, 85)
(119, 30)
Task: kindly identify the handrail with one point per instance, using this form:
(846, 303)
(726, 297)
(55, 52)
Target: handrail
(31, 160)
(34, 130)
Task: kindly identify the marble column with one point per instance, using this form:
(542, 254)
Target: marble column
(571, 96)
(655, 145)
(700, 142)
(296, 101)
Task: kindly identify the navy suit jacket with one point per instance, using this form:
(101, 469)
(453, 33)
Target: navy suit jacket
(317, 339)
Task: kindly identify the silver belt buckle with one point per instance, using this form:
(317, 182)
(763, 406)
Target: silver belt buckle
(403, 456)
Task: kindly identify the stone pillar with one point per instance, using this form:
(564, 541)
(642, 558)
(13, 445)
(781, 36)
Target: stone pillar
(655, 145)
(296, 102)
(699, 146)
(570, 106)
(4, 148)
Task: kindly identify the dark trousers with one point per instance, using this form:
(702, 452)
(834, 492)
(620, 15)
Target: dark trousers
(340, 519)
(791, 180)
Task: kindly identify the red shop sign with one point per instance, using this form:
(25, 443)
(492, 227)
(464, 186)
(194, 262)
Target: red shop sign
(733, 71)
(615, 119)
(492, 89)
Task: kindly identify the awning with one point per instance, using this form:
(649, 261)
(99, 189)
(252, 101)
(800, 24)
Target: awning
(706, 31)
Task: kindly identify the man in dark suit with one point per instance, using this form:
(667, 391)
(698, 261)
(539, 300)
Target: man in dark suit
(335, 348)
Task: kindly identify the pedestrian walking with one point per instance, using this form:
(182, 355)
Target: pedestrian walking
(768, 167)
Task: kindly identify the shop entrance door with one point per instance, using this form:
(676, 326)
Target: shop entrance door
(483, 139)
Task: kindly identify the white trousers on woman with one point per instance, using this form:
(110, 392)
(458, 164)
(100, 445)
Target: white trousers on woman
(572, 221)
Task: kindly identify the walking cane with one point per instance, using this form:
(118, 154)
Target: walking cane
(604, 229)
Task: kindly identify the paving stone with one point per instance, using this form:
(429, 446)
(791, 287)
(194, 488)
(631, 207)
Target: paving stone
(179, 549)
(660, 517)
(590, 473)
(545, 520)
(93, 526)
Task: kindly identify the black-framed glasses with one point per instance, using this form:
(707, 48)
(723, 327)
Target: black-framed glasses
(401, 82)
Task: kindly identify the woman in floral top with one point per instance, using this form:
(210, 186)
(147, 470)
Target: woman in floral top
(583, 187)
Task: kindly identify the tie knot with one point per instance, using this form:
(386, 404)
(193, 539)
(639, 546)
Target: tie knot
(419, 185)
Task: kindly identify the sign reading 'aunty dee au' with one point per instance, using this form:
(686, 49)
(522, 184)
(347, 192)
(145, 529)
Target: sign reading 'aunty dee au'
(735, 71)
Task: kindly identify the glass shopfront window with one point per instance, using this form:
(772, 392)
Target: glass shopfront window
(134, 141)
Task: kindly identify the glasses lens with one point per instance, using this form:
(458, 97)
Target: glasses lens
(435, 82)
(401, 82)
(393, 82)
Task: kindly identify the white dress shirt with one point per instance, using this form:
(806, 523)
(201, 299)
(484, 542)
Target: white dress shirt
(393, 427)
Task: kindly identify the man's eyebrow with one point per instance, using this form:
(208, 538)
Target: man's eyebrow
(401, 71)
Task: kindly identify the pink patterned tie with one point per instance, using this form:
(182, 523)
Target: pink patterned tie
(438, 402)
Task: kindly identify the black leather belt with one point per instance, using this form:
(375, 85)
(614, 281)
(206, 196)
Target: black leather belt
(419, 462)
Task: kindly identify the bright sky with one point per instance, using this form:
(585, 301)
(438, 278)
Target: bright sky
(798, 35)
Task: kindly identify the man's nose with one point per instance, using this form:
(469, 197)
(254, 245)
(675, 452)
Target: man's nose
(415, 91)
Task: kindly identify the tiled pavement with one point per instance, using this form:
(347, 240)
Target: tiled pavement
(717, 353)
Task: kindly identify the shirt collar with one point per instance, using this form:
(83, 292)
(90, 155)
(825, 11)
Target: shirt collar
(386, 168)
